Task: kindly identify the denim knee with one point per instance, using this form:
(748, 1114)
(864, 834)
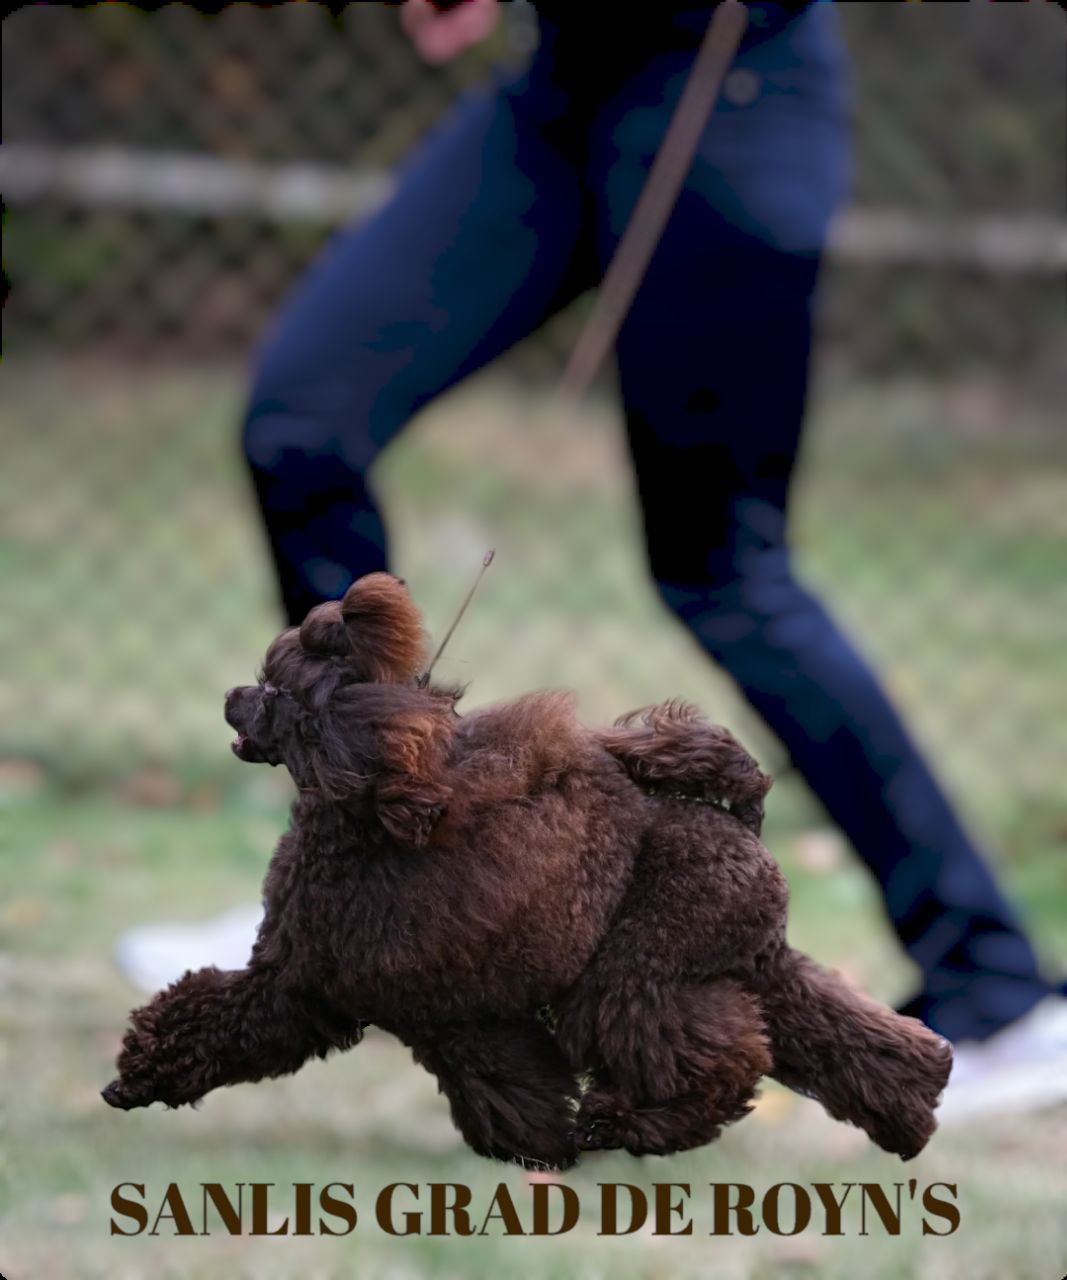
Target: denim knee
(756, 601)
(290, 419)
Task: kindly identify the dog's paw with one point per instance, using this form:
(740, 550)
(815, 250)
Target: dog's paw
(598, 1134)
(598, 1123)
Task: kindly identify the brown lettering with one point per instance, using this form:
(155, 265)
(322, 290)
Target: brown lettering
(338, 1208)
(833, 1207)
(383, 1210)
(231, 1217)
(502, 1207)
(665, 1207)
(179, 1215)
(771, 1206)
(540, 1208)
(129, 1209)
(440, 1209)
(609, 1208)
(260, 1203)
(940, 1208)
(722, 1209)
(890, 1217)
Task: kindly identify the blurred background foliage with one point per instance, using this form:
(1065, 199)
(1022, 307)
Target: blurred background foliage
(958, 110)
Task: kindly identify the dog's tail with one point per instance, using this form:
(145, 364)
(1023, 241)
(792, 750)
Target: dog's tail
(671, 747)
(864, 1063)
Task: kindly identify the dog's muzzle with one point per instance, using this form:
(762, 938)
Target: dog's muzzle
(117, 1095)
(239, 714)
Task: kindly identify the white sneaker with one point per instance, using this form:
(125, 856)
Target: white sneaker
(1022, 1068)
(154, 955)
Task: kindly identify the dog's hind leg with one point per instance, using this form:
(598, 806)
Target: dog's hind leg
(511, 1091)
(703, 898)
(703, 1051)
(213, 1028)
(863, 1062)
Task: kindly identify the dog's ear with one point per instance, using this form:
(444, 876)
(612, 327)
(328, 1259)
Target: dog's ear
(386, 641)
(411, 793)
(410, 808)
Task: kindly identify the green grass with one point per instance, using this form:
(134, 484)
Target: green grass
(137, 590)
(83, 869)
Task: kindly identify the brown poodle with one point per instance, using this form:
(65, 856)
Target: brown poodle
(578, 932)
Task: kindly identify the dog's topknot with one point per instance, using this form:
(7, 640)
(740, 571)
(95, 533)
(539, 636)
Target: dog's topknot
(376, 628)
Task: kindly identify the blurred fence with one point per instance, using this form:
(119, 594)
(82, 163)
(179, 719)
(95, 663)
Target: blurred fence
(167, 175)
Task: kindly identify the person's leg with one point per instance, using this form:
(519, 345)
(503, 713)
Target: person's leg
(477, 246)
(713, 368)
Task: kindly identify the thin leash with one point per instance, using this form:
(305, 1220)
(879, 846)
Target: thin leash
(632, 254)
(658, 196)
(424, 679)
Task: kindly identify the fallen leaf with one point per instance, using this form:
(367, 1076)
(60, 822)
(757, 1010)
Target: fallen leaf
(151, 788)
(21, 776)
(24, 913)
(819, 852)
(69, 1209)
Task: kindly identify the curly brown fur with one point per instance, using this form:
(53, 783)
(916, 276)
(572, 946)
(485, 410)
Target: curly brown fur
(676, 750)
(449, 877)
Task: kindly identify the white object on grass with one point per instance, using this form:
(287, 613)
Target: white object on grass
(154, 955)
(1020, 1069)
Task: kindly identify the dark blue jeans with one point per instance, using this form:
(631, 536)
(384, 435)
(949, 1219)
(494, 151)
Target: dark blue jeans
(503, 215)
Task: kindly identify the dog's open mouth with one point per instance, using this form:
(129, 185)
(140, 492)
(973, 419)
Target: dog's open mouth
(244, 748)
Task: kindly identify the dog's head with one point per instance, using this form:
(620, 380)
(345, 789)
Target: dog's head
(337, 703)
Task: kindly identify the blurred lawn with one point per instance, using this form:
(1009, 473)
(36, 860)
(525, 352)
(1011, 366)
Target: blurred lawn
(136, 591)
(87, 868)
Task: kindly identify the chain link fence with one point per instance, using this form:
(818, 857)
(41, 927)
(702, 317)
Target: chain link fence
(168, 174)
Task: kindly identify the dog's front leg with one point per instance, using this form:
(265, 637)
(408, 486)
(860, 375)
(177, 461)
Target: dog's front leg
(213, 1028)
